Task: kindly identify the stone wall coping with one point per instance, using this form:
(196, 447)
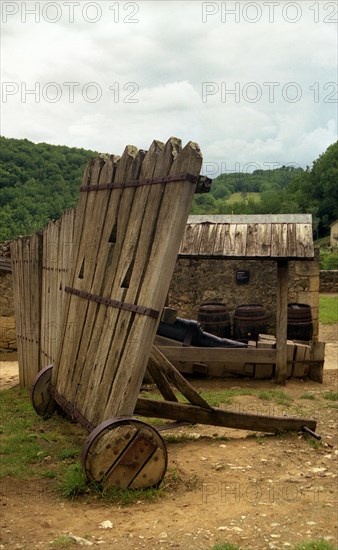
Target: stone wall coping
(252, 218)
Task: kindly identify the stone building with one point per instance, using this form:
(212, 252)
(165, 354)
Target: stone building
(215, 264)
(208, 269)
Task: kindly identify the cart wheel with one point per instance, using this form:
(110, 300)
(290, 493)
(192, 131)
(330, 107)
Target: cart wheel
(41, 399)
(125, 452)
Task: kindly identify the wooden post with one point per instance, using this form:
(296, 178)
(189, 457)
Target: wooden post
(281, 321)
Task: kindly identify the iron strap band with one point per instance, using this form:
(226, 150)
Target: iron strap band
(113, 303)
(69, 408)
(139, 183)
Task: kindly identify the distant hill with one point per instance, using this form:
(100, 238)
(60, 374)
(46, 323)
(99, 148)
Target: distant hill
(285, 190)
(37, 183)
(262, 192)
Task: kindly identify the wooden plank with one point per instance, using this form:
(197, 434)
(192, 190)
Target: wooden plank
(197, 239)
(94, 283)
(170, 221)
(67, 324)
(279, 240)
(173, 375)
(290, 351)
(53, 295)
(208, 355)
(208, 239)
(163, 341)
(304, 242)
(240, 239)
(128, 236)
(264, 370)
(258, 242)
(188, 240)
(316, 370)
(217, 417)
(160, 380)
(16, 269)
(219, 240)
(281, 321)
(105, 381)
(82, 275)
(301, 361)
(67, 242)
(216, 369)
(157, 161)
(292, 241)
(229, 239)
(267, 337)
(26, 309)
(36, 295)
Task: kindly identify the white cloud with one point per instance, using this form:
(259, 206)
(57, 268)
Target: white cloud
(162, 62)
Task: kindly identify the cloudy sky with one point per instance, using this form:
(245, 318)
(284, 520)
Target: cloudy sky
(254, 83)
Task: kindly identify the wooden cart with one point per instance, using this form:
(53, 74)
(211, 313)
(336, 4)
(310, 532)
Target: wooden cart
(107, 296)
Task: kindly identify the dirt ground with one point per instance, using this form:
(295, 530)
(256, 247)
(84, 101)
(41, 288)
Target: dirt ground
(251, 490)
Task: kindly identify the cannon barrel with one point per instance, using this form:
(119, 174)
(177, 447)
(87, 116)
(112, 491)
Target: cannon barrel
(191, 333)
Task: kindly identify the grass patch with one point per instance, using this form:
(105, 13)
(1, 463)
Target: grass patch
(65, 454)
(127, 497)
(278, 396)
(30, 446)
(33, 448)
(73, 483)
(320, 544)
(331, 395)
(328, 309)
(308, 395)
(239, 197)
(226, 397)
(328, 259)
(63, 541)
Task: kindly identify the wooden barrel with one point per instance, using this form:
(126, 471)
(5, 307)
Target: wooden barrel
(215, 318)
(250, 320)
(300, 325)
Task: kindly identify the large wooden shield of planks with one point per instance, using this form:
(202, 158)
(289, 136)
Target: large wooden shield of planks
(129, 224)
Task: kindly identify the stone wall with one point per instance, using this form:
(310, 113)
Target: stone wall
(7, 320)
(329, 280)
(201, 280)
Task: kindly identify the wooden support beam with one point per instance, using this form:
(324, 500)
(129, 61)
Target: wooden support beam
(281, 321)
(230, 355)
(161, 381)
(217, 417)
(176, 378)
(317, 361)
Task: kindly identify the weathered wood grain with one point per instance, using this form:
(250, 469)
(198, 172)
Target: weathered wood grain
(174, 376)
(254, 239)
(281, 321)
(224, 355)
(217, 417)
(67, 323)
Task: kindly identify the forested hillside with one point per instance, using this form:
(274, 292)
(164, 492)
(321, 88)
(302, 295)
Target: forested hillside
(280, 191)
(39, 181)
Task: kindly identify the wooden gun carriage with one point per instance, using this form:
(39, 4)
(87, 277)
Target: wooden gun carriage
(89, 292)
